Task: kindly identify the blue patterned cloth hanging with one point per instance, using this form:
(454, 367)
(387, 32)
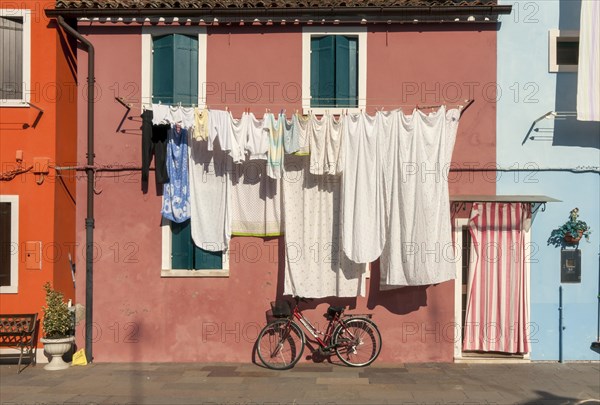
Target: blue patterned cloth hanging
(176, 193)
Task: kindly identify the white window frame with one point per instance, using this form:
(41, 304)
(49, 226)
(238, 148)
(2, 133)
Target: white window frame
(13, 288)
(458, 355)
(553, 36)
(168, 271)
(147, 34)
(361, 34)
(26, 15)
(146, 94)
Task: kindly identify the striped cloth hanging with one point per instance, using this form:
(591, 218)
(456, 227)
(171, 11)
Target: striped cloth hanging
(498, 292)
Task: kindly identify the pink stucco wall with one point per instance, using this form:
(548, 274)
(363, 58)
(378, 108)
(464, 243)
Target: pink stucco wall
(140, 316)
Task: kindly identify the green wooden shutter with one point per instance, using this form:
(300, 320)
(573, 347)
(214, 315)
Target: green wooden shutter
(175, 69)
(322, 72)
(186, 255)
(185, 62)
(346, 71)
(162, 69)
(203, 259)
(182, 252)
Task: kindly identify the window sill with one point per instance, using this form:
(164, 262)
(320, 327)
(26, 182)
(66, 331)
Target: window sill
(14, 104)
(195, 273)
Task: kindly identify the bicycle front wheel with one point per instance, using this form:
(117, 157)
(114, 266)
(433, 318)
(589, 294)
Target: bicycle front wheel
(357, 341)
(280, 344)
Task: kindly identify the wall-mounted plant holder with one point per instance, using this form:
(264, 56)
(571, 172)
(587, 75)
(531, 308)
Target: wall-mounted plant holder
(571, 232)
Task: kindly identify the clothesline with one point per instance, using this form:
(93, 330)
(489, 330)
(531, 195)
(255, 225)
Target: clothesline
(462, 105)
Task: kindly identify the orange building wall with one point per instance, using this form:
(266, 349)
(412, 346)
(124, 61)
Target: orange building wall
(46, 212)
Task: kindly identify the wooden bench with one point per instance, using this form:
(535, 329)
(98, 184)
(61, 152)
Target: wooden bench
(20, 331)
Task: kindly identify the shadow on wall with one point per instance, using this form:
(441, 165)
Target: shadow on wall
(399, 301)
(570, 132)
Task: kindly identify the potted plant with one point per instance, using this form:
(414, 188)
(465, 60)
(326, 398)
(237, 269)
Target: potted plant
(58, 328)
(571, 232)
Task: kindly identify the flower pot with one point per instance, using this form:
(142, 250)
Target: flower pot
(572, 240)
(56, 348)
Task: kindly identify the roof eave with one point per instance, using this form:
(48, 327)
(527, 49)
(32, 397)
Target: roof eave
(487, 14)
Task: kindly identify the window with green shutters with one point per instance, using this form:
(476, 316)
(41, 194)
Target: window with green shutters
(334, 71)
(175, 80)
(175, 69)
(186, 255)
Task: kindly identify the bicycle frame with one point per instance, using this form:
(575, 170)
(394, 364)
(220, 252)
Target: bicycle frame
(327, 335)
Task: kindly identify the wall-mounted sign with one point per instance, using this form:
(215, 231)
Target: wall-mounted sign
(570, 266)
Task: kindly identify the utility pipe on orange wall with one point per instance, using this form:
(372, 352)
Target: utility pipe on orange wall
(89, 220)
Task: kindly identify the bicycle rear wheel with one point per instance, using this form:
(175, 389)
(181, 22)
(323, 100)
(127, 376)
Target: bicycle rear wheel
(280, 344)
(357, 341)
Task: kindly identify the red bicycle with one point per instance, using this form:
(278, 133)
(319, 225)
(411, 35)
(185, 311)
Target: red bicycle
(355, 339)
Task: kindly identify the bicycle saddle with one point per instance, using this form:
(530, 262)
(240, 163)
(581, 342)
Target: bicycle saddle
(333, 311)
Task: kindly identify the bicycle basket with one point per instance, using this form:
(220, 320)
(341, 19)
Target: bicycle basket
(281, 309)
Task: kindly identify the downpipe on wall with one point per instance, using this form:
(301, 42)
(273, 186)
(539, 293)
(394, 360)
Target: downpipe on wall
(89, 220)
(560, 324)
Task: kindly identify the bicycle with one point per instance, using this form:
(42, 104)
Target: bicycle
(355, 339)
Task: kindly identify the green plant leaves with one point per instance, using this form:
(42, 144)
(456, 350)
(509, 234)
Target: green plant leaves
(57, 321)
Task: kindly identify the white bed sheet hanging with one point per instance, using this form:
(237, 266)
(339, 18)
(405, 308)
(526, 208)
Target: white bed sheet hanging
(362, 193)
(315, 265)
(418, 149)
(210, 193)
(255, 201)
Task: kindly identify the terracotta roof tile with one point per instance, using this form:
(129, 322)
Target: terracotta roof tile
(245, 4)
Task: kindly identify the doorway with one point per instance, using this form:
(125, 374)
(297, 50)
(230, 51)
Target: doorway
(463, 240)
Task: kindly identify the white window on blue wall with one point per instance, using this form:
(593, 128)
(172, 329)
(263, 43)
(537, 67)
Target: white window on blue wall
(15, 59)
(173, 70)
(563, 51)
(334, 69)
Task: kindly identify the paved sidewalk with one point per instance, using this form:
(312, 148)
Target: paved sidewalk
(191, 383)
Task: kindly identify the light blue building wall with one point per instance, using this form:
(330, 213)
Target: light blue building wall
(565, 157)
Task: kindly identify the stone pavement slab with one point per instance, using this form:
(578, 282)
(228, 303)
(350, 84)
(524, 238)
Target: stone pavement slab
(314, 384)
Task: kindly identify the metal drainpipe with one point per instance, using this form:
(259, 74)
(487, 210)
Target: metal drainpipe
(560, 325)
(89, 220)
